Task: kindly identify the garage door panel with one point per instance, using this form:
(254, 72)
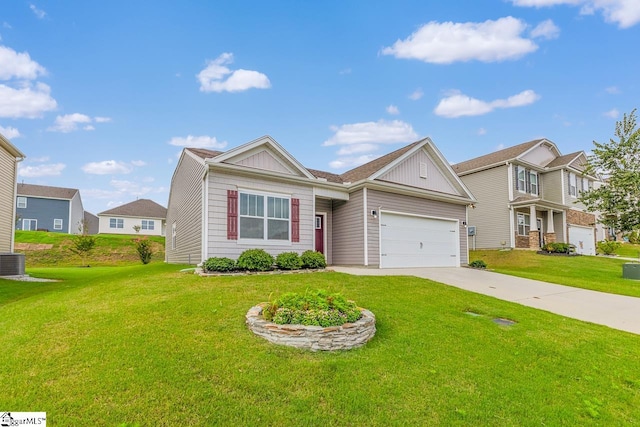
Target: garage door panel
(583, 239)
(407, 241)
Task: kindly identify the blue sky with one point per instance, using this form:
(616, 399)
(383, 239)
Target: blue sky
(102, 96)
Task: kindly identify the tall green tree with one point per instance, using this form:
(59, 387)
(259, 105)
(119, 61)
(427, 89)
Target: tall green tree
(618, 162)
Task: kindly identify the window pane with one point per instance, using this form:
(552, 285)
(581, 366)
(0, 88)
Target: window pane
(260, 206)
(244, 204)
(251, 228)
(285, 208)
(112, 223)
(278, 229)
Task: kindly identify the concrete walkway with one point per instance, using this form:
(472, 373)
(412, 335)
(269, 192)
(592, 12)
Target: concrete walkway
(615, 311)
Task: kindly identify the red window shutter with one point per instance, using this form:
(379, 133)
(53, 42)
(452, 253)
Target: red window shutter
(295, 220)
(232, 215)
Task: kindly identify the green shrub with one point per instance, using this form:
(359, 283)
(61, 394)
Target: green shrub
(288, 261)
(221, 265)
(634, 237)
(318, 308)
(313, 259)
(560, 248)
(478, 263)
(255, 260)
(143, 247)
(608, 247)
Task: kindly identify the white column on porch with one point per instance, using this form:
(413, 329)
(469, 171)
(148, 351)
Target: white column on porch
(532, 217)
(550, 221)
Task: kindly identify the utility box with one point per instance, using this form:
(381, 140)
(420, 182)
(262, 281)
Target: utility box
(631, 271)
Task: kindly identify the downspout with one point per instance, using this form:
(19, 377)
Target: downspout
(15, 196)
(205, 215)
(512, 226)
(364, 217)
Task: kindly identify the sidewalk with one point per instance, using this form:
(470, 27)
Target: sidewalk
(616, 311)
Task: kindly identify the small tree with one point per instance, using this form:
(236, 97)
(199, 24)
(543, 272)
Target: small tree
(83, 243)
(618, 200)
(136, 228)
(143, 247)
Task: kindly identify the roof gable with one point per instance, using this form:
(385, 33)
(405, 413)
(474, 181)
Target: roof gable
(46, 192)
(10, 148)
(540, 154)
(496, 157)
(265, 154)
(143, 208)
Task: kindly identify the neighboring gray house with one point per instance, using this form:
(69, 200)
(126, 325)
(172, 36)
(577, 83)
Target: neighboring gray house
(146, 214)
(405, 209)
(527, 196)
(10, 156)
(91, 223)
(56, 209)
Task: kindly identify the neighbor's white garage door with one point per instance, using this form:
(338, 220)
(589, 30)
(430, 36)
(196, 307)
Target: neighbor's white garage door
(411, 241)
(583, 238)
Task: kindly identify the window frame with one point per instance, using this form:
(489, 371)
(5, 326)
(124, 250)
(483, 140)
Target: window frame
(147, 224)
(526, 227)
(119, 223)
(20, 199)
(531, 183)
(57, 221)
(268, 211)
(573, 185)
(522, 188)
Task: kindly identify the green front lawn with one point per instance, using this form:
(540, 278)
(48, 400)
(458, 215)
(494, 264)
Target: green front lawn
(588, 272)
(629, 250)
(148, 345)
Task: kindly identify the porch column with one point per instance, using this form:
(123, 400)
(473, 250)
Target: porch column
(534, 235)
(550, 235)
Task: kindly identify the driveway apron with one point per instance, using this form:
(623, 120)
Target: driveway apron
(616, 311)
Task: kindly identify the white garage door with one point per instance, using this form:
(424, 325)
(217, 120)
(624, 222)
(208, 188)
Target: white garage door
(583, 239)
(411, 241)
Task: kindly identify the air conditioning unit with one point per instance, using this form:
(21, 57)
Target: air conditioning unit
(11, 264)
(471, 230)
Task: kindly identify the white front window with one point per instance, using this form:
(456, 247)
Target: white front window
(533, 182)
(264, 217)
(148, 224)
(572, 184)
(524, 224)
(522, 180)
(116, 223)
(57, 224)
(585, 184)
(22, 202)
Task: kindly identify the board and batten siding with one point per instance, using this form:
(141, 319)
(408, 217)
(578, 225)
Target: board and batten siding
(185, 209)
(491, 214)
(348, 230)
(552, 186)
(217, 243)
(408, 173)
(325, 206)
(7, 199)
(380, 200)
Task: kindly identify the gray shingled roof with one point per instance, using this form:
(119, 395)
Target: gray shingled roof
(143, 208)
(509, 153)
(45, 191)
(563, 160)
(204, 153)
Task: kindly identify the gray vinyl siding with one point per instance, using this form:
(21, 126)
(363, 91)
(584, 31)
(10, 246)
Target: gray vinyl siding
(7, 199)
(77, 214)
(552, 186)
(379, 200)
(45, 211)
(558, 228)
(348, 231)
(217, 242)
(491, 214)
(408, 173)
(325, 206)
(185, 209)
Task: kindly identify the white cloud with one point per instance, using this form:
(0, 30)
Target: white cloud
(39, 159)
(197, 142)
(138, 163)
(345, 71)
(546, 30)
(122, 192)
(612, 114)
(416, 94)
(54, 169)
(18, 65)
(29, 101)
(348, 150)
(447, 42)
(393, 110)
(482, 131)
(380, 132)
(70, 122)
(458, 104)
(625, 13)
(10, 132)
(6, 25)
(40, 14)
(613, 90)
(350, 162)
(212, 77)
(107, 167)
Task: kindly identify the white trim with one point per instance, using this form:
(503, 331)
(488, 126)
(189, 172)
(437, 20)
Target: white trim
(512, 227)
(564, 226)
(364, 216)
(205, 216)
(564, 194)
(510, 179)
(265, 240)
(54, 223)
(29, 219)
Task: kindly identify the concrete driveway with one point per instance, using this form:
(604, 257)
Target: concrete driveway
(615, 311)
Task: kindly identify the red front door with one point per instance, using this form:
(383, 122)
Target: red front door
(320, 233)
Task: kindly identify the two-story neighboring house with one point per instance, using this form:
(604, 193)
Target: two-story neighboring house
(55, 209)
(527, 196)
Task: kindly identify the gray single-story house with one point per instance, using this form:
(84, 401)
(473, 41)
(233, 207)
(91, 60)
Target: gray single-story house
(405, 209)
